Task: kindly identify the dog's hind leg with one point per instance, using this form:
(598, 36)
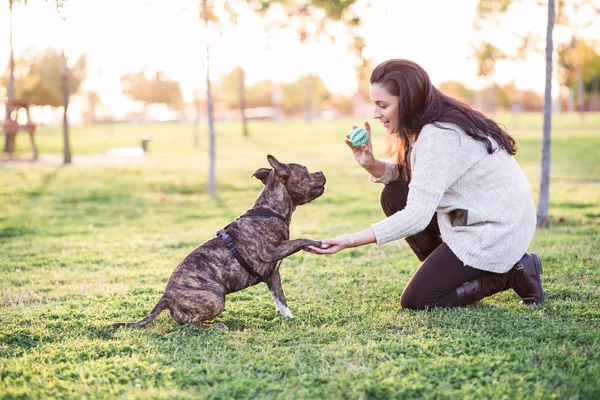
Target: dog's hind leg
(158, 308)
(276, 290)
(199, 306)
(219, 325)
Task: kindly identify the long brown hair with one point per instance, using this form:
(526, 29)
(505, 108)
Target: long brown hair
(420, 103)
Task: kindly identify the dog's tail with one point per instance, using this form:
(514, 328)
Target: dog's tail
(158, 308)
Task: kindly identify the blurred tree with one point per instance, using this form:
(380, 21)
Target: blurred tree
(198, 102)
(517, 99)
(232, 17)
(363, 64)
(64, 74)
(158, 90)
(489, 11)
(573, 17)
(218, 22)
(532, 100)
(340, 104)
(93, 100)
(492, 8)
(486, 55)
(228, 89)
(458, 90)
(592, 82)
(10, 86)
(586, 77)
(576, 16)
(310, 20)
(243, 102)
(295, 97)
(258, 95)
(208, 17)
(37, 77)
(544, 198)
(64, 79)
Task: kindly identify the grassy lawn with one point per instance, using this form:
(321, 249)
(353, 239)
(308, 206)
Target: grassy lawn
(85, 245)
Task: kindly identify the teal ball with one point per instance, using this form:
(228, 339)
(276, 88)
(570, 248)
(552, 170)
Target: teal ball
(358, 137)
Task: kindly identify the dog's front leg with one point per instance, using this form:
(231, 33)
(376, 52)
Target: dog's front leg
(286, 248)
(276, 290)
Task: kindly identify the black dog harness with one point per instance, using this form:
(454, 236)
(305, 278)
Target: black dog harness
(231, 245)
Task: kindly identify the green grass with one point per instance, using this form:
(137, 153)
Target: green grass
(86, 245)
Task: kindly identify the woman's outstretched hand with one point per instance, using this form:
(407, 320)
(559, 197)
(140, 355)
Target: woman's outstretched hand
(363, 154)
(332, 246)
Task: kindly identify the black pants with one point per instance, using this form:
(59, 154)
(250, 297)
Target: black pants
(434, 284)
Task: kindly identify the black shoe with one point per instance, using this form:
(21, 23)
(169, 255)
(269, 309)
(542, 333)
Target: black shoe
(528, 284)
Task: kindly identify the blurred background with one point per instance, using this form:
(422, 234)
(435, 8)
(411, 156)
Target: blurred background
(168, 106)
(146, 60)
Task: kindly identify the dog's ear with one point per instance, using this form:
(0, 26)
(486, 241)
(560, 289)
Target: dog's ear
(262, 174)
(280, 168)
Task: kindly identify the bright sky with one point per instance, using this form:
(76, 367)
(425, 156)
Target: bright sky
(124, 36)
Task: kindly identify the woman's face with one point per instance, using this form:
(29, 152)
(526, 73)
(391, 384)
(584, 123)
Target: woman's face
(385, 107)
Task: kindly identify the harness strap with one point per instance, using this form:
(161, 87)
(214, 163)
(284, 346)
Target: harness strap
(235, 252)
(231, 245)
(263, 213)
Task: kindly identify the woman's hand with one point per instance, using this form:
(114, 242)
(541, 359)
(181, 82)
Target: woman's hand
(332, 246)
(363, 154)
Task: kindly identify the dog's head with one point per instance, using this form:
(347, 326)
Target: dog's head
(303, 186)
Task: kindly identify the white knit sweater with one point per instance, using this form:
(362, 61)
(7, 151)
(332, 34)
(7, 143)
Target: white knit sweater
(484, 202)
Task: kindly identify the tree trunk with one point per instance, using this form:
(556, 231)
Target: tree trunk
(210, 183)
(9, 140)
(65, 86)
(558, 102)
(276, 102)
(493, 93)
(243, 101)
(595, 97)
(544, 200)
(479, 99)
(196, 135)
(571, 100)
(580, 89)
(308, 98)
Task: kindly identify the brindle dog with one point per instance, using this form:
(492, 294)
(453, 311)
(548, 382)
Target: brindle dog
(197, 288)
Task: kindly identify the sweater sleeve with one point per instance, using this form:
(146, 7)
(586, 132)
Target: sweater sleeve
(391, 173)
(439, 157)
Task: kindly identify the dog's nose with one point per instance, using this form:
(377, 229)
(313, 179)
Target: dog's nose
(320, 174)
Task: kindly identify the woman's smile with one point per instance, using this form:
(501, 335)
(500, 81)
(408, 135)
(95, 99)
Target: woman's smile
(385, 106)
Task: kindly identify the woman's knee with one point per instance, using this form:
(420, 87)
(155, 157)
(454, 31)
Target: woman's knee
(412, 300)
(393, 197)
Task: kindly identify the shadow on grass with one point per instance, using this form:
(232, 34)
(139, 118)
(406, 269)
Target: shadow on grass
(21, 341)
(570, 205)
(15, 230)
(49, 178)
(16, 225)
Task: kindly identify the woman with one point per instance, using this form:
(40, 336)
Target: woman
(453, 189)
